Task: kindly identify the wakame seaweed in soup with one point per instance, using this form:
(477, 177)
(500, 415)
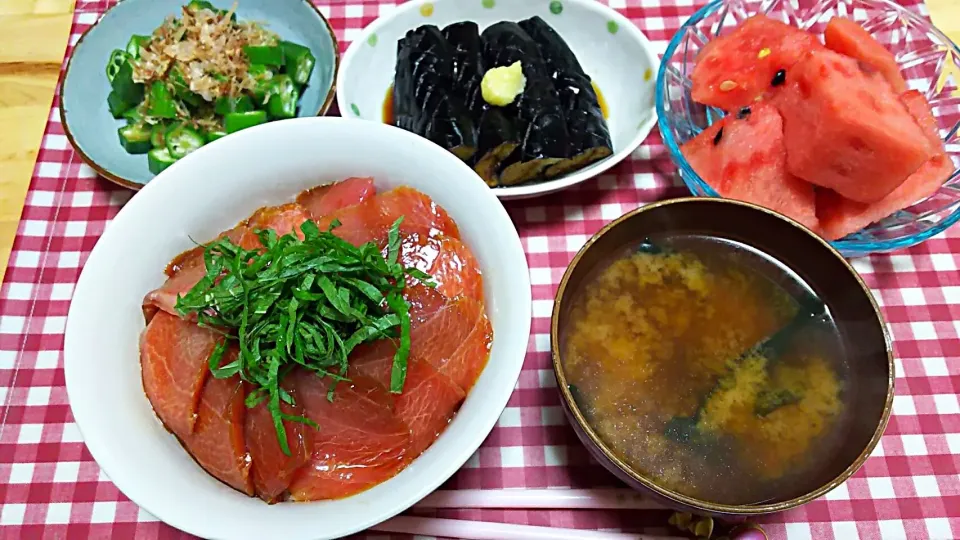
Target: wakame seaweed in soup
(709, 369)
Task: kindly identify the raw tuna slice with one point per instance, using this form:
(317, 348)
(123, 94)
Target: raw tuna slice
(371, 219)
(429, 398)
(323, 200)
(849, 38)
(183, 272)
(448, 261)
(456, 341)
(360, 441)
(272, 469)
(217, 443)
(846, 132)
(739, 68)
(188, 268)
(282, 220)
(747, 161)
(173, 363)
(424, 302)
(840, 217)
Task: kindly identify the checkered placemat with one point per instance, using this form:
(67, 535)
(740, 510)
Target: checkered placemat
(50, 486)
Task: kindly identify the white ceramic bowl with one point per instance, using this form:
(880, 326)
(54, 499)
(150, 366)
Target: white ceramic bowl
(611, 49)
(210, 191)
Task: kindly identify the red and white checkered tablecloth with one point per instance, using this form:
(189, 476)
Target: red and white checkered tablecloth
(50, 487)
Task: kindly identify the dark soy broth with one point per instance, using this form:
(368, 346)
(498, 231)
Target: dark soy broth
(709, 368)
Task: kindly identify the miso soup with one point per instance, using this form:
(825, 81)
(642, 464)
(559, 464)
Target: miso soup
(707, 367)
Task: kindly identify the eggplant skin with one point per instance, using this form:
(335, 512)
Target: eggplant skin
(497, 138)
(542, 128)
(468, 66)
(423, 98)
(589, 134)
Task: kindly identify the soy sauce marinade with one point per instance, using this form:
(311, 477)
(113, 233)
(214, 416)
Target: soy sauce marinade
(662, 356)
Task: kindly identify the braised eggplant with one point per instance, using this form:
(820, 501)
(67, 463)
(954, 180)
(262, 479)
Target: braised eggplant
(497, 138)
(512, 101)
(468, 68)
(589, 136)
(423, 97)
(543, 140)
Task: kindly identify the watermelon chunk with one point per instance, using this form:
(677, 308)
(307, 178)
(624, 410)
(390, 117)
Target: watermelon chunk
(743, 157)
(737, 69)
(849, 38)
(840, 216)
(919, 109)
(847, 131)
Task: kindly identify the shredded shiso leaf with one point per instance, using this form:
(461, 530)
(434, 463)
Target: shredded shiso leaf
(301, 303)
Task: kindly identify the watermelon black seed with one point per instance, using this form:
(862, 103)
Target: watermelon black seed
(717, 137)
(779, 78)
(743, 113)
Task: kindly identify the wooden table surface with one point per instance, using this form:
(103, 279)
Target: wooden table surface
(35, 34)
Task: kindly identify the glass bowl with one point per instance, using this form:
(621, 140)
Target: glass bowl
(926, 57)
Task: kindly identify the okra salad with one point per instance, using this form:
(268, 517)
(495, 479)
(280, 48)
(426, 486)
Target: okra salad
(200, 77)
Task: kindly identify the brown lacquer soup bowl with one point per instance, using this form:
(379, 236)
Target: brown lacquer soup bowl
(764, 239)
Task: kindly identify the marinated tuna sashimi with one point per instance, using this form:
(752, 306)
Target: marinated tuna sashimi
(283, 219)
(173, 360)
(361, 441)
(450, 264)
(327, 198)
(183, 273)
(456, 341)
(370, 220)
(334, 310)
(217, 442)
(272, 468)
(429, 399)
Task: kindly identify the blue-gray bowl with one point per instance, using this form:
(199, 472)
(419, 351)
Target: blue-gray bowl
(86, 120)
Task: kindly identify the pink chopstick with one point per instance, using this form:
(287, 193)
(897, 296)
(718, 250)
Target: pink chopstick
(596, 499)
(484, 530)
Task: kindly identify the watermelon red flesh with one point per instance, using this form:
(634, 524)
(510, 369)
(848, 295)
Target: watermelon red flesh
(840, 216)
(847, 132)
(737, 69)
(748, 163)
(919, 109)
(849, 38)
